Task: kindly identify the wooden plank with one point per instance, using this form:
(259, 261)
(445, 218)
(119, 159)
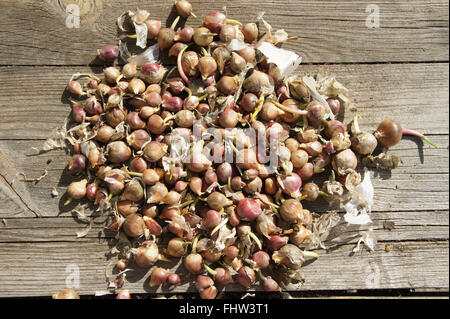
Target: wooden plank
(406, 266)
(23, 269)
(409, 225)
(423, 181)
(414, 94)
(37, 32)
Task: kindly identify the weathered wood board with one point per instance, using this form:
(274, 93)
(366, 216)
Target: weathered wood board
(402, 189)
(331, 31)
(378, 90)
(398, 70)
(407, 265)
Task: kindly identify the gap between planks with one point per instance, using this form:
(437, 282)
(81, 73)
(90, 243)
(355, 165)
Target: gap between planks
(173, 64)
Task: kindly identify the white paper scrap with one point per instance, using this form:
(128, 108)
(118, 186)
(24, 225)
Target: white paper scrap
(287, 61)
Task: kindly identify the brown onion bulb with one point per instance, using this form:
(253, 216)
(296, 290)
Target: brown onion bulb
(104, 134)
(74, 87)
(77, 163)
(154, 151)
(275, 242)
(153, 99)
(214, 21)
(199, 163)
(115, 116)
(297, 238)
(316, 112)
(68, 293)
(311, 191)
(126, 208)
(259, 82)
(270, 186)
(270, 111)
(111, 74)
(222, 276)
(364, 143)
(134, 121)
(108, 53)
(129, 71)
(207, 66)
(333, 128)
(153, 28)
(312, 148)
(156, 193)
(221, 55)
(389, 133)
(217, 201)
(93, 106)
(275, 72)
(289, 255)
(254, 186)
(334, 104)
(228, 118)
(123, 294)
(166, 38)
(270, 285)
(299, 158)
(150, 210)
(193, 263)
(261, 259)
(287, 116)
(185, 118)
(292, 144)
(150, 177)
(77, 190)
(174, 279)
(136, 86)
(245, 277)
(118, 152)
(306, 172)
(184, 35)
(158, 277)
(133, 191)
(134, 226)
(344, 160)
(249, 102)
(172, 198)
(155, 124)
(228, 33)
(91, 191)
(196, 185)
(291, 211)
(228, 85)
(176, 247)
(189, 62)
(299, 90)
(184, 8)
(250, 31)
(203, 37)
(249, 209)
(152, 72)
(147, 254)
(237, 63)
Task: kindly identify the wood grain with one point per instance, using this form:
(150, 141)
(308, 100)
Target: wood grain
(378, 91)
(331, 31)
(39, 53)
(414, 264)
(409, 225)
(423, 179)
